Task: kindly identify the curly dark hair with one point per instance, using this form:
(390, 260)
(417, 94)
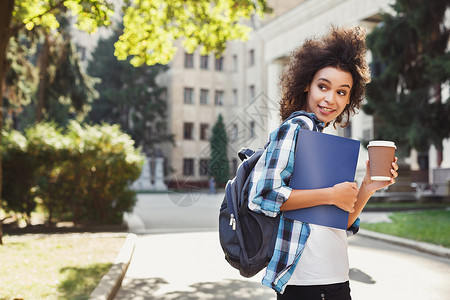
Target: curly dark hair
(342, 48)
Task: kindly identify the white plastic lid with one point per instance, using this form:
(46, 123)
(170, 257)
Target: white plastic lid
(380, 178)
(382, 144)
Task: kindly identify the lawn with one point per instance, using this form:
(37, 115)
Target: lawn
(389, 206)
(63, 266)
(431, 226)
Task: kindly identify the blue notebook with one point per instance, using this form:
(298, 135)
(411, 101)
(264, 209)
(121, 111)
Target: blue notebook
(323, 160)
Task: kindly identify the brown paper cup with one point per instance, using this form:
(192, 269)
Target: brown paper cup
(381, 156)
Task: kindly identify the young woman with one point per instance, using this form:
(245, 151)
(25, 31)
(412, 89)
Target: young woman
(323, 83)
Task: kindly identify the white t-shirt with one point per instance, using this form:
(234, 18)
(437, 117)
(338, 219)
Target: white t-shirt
(324, 259)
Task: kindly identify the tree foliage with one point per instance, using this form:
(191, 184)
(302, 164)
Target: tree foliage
(218, 163)
(65, 91)
(411, 62)
(89, 14)
(129, 96)
(152, 27)
(21, 79)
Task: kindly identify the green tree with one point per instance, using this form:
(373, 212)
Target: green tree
(21, 79)
(65, 91)
(218, 164)
(129, 96)
(14, 15)
(157, 26)
(411, 62)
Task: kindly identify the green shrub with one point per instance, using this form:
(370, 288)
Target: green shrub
(80, 174)
(104, 164)
(18, 174)
(47, 147)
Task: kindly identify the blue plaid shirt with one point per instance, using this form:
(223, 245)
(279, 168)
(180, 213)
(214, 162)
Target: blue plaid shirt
(269, 188)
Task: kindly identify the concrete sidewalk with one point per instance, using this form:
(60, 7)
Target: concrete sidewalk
(176, 254)
(191, 266)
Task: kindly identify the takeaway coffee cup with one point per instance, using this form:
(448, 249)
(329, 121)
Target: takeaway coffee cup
(381, 156)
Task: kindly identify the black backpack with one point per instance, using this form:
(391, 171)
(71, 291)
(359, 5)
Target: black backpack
(247, 238)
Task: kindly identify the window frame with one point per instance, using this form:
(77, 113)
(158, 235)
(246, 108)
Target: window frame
(188, 131)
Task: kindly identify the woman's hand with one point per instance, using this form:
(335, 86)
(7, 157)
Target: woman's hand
(344, 195)
(373, 186)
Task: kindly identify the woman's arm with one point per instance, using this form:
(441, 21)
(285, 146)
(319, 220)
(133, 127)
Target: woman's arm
(368, 188)
(343, 195)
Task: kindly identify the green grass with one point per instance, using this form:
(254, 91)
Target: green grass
(55, 266)
(431, 226)
(405, 206)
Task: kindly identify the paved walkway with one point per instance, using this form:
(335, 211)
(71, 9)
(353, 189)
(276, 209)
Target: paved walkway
(189, 264)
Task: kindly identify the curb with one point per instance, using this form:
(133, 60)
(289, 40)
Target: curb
(419, 246)
(111, 281)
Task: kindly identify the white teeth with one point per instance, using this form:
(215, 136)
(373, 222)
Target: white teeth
(326, 109)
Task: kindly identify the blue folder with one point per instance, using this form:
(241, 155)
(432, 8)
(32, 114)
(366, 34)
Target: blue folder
(322, 160)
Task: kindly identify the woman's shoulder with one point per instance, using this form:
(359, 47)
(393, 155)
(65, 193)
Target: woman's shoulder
(302, 119)
(296, 121)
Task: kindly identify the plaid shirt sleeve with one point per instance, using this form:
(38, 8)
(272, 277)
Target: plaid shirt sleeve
(269, 187)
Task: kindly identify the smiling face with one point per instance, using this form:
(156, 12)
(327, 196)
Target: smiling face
(329, 93)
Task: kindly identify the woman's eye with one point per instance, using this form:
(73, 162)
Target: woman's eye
(342, 93)
(322, 87)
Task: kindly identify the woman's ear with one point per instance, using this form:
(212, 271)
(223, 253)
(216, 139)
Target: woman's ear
(306, 89)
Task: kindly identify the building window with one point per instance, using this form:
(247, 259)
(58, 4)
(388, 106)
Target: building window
(251, 92)
(218, 98)
(204, 59)
(188, 95)
(251, 57)
(204, 96)
(188, 166)
(204, 132)
(188, 131)
(203, 167)
(235, 97)
(235, 63)
(188, 60)
(219, 63)
(252, 129)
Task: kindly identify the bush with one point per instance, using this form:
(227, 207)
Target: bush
(47, 148)
(18, 174)
(104, 164)
(81, 174)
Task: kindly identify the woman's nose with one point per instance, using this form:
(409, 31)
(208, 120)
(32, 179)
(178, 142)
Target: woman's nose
(329, 98)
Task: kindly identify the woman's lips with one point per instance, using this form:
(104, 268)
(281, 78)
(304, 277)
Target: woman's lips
(326, 110)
